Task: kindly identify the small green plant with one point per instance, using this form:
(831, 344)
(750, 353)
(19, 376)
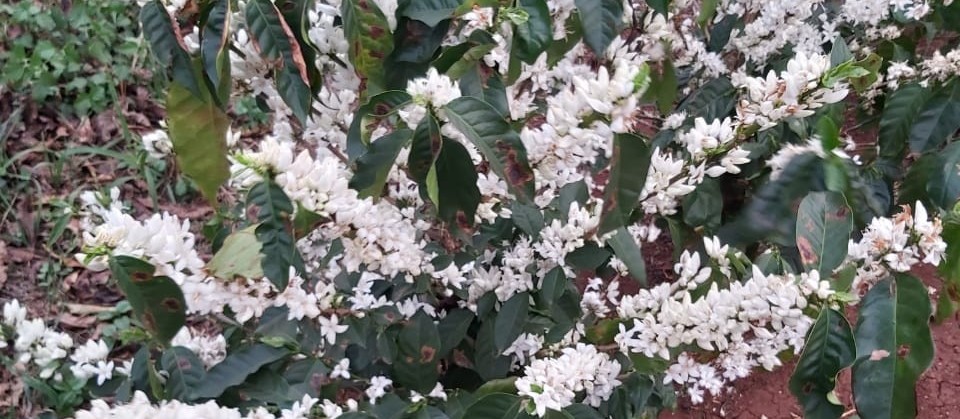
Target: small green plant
(73, 56)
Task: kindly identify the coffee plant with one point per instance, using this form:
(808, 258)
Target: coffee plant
(448, 216)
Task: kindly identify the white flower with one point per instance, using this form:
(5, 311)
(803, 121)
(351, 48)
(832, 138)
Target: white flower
(330, 327)
(378, 388)
(341, 369)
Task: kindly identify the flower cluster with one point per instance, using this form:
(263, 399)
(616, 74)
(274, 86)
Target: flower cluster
(895, 245)
(554, 383)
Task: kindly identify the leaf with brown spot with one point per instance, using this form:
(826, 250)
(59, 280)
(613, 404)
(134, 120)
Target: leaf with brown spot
(370, 41)
(418, 343)
(277, 42)
(497, 141)
(157, 301)
(829, 349)
(824, 223)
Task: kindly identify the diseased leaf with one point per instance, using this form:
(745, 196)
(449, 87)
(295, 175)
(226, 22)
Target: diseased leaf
(370, 41)
(374, 166)
(496, 140)
(157, 301)
(602, 18)
(185, 372)
(367, 116)
(198, 131)
(628, 174)
(160, 30)
(824, 223)
(893, 317)
(419, 354)
(277, 42)
(829, 348)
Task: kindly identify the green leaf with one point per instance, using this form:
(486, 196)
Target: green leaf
(582, 411)
(627, 250)
(950, 267)
(370, 41)
(552, 287)
(844, 71)
(278, 247)
(198, 130)
(426, 146)
(488, 360)
(457, 183)
(533, 36)
(486, 87)
(496, 140)
(510, 320)
(453, 328)
(829, 348)
(497, 406)
(664, 87)
(707, 12)
(374, 166)
(157, 301)
(418, 360)
(503, 386)
(469, 60)
(305, 221)
(894, 347)
(603, 19)
(713, 100)
(367, 116)
(185, 372)
(829, 133)
(660, 6)
(214, 50)
(160, 30)
(840, 52)
(900, 111)
(824, 223)
(238, 257)
(938, 120)
(871, 64)
(527, 218)
(431, 12)
(297, 15)
(235, 369)
(704, 206)
(277, 42)
(628, 174)
(944, 186)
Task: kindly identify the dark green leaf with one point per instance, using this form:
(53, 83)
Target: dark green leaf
(894, 347)
(938, 120)
(278, 247)
(713, 100)
(431, 12)
(510, 320)
(824, 223)
(374, 166)
(497, 406)
(424, 150)
(160, 30)
(944, 186)
(198, 130)
(839, 52)
(603, 19)
(235, 369)
(582, 411)
(533, 36)
(527, 218)
(496, 140)
(829, 348)
(488, 361)
(900, 110)
(588, 257)
(457, 183)
(453, 328)
(704, 206)
(628, 174)
(627, 250)
(664, 87)
(214, 49)
(660, 6)
(950, 267)
(157, 301)
(368, 35)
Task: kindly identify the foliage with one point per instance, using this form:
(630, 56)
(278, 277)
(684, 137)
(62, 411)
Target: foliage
(73, 54)
(452, 193)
